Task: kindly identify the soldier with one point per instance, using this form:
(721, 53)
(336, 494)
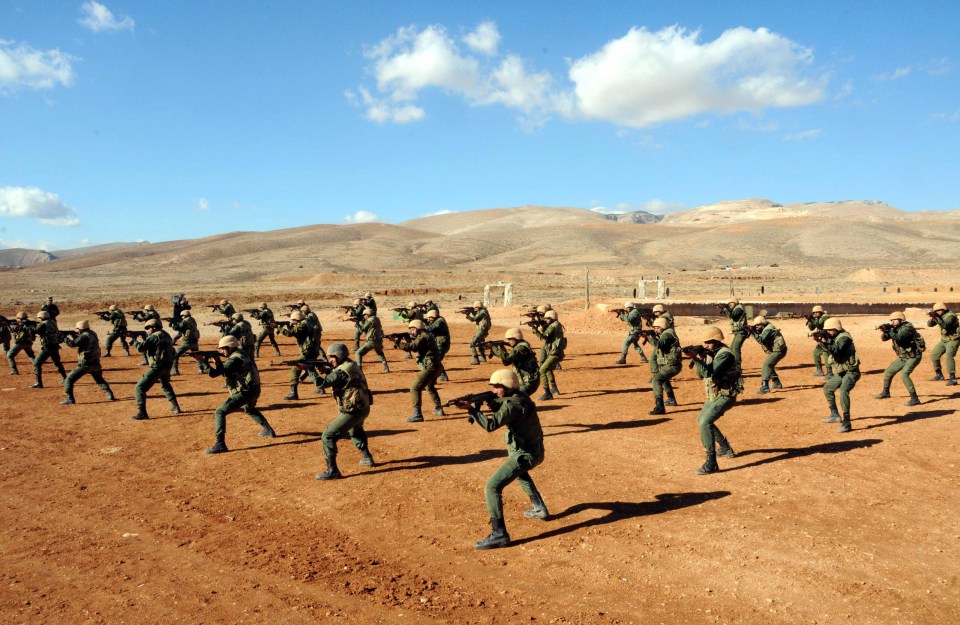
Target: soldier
(659, 311)
(514, 409)
(149, 313)
(634, 319)
(368, 302)
(188, 330)
(356, 315)
(554, 346)
(353, 401)
(481, 317)
(309, 350)
(428, 360)
(666, 355)
(428, 306)
(243, 332)
(225, 308)
(49, 348)
(774, 346)
(118, 319)
(265, 316)
(311, 317)
(437, 326)
(243, 380)
(24, 333)
(180, 305)
(521, 359)
(909, 346)
(738, 324)
(51, 308)
(846, 370)
(815, 320)
(88, 361)
(373, 332)
(941, 316)
(407, 314)
(722, 381)
(157, 348)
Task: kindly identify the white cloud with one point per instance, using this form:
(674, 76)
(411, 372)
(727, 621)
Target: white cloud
(98, 18)
(805, 135)
(440, 212)
(484, 39)
(33, 202)
(900, 72)
(203, 204)
(937, 67)
(24, 244)
(23, 66)
(948, 117)
(603, 210)
(656, 207)
(361, 217)
(382, 111)
(759, 126)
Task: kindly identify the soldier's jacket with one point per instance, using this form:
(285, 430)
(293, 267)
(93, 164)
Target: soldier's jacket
(425, 346)
(721, 373)
(439, 329)
(664, 315)
(409, 314)
(522, 359)
(373, 330)
(666, 348)
(481, 317)
(312, 318)
(519, 414)
(843, 352)
(158, 348)
(243, 332)
(144, 316)
(431, 307)
(949, 326)
(634, 318)
(240, 371)
(817, 324)
(264, 316)
(23, 333)
(369, 303)
(119, 320)
(47, 331)
(553, 339)
(88, 348)
(187, 327)
(227, 310)
(770, 339)
(350, 388)
(52, 309)
(306, 338)
(906, 340)
(738, 319)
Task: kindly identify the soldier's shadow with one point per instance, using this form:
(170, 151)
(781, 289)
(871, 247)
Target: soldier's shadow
(906, 418)
(430, 462)
(788, 453)
(622, 510)
(762, 399)
(579, 428)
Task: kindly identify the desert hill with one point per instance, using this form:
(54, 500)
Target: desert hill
(754, 210)
(20, 257)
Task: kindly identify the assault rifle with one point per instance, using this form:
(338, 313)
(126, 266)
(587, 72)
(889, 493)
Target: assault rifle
(169, 319)
(617, 311)
(138, 315)
(489, 345)
(251, 311)
(646, 334)
(532, 314)
(885, 327)
(466, 310)
(396, 337)
(292, 306)
(204, 356)
(352, 319)
(306, 363)
(810, 318)
(534, 323)
(103, 314)
(281, 324)
(136, 335)
(819, 335)
(214, 307)
(346, 308)
(63, 334)
(399, 309)
(473, 398)
(722, 307)
(220, 324)
(692, 351)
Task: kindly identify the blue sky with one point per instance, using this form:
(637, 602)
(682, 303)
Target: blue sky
(125, 121)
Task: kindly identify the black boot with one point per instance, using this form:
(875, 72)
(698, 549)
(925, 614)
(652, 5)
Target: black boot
(622, 361)
(547, 395)
(764, 388)
(109, 395)
(497, 538)
(671, 400)
(276, 349)
(366, 460)
(416, 417)
(658, 407)
(39, 382)
(175, 369)
(69, 400)
(539, 509)
(952, 381)
(293, 392)
(386, 369)
(332, 472)
(554, 389)
(724, 450)
(710, 466)
(174, 407)
(475, 361)
(267, 432)
(818, 372)
(885, 393)
(913, 401)
(141, 414)
(937, 377)
(438, 410)
(845, 424)
(833, 418)
(775, 382)
(643, 358)
(218, 448)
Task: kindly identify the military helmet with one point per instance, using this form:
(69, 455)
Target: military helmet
(660, 322)
(939, 306)
(543, 308)
(356, 301)
(185, 314)
(305, 308)
(833, 323)
(224, 302)
(228, 341)
(550, 314)
(817, 309)
(112, 308)
(300, 302)
(759, 320)
(43, 315)
(296, 316)
(236, 316)
(153, 323)
(629, 305)
(263, 306)
(506, 378)
(478, 304)
(367, 312)
(338, 350)
(513, 333)
(49, 298)
(415, 323)
(428, 301)
(410, 304)
(713, 333)
(83, 325)
(659, 308)
(22, 315)
(897, 315)
(733, 300)
(368, 295)
(148, 306)
(431, 314)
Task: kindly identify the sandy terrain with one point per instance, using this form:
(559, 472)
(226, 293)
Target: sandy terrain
(107, 520)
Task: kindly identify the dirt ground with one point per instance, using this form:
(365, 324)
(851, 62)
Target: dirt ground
(107, 520)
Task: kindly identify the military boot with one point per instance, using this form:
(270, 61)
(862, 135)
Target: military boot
(443, 375)
(127, 349)
(143, 361)
(658, 407)
(724, 450)
(671, 399)
(175, 369)
(408, 356)
(913, 401)
(622, 361)
(218, 448)
(14, 371)
(277, 350)
(256, 352)
(174, 407)
(845, 423)
(141, 414)
(475, 361)
(643, 358)
(332, 472)
(554, 389)
(833, 418)
(952, 381)
(39, 382)
(538, 509)
(775, 382)
(267, 432)
(386, 369)
(483, 357)
(106, 354)
(884, 394)
(764, 388)
(818, 372)
(293, 393)
(69, 400)
(438, 410)
(366, 460)
(321, 390)
(497, 538)
(710, 466)
(416, 417)
(937, 377)
(110, 396)
(547, 395)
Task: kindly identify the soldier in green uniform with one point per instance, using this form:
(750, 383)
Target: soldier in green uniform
(774, 346)
(265, 316)
(634, 319)
(511, 408)
(357, 316)
(521, 359)
(49, 348)
(821, 359)
(311, 317)
(722, 381)
(88, 361)
(190, 335)
(437, 326)
(429, 306)
(407, 314)
(738, 325)
(354, 399)
(660, 312)
(157, 348)
(555, 344)
(304, 333)
(846, 370)
(118, 320)
(243, 380)
(148, 314)
(51, 309)
(243, 332)
(372, 330)
(225, 308)
(369, 302)
(24, 333)
(909, 346)
(949, 325)
(666, 353)
(480, 316)
(424, 345)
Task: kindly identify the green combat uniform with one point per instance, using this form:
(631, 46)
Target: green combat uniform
(821, 358)
(523, 362)
(23, 336)
(775, 347)
(314, 321)
(909, 346)
(243, 332)
(554, 344)
(49, 348)
(846, 372)
(738, 327)
(118, 332)
(634, 318)
(481, 317)
(157, 348)
(666, 354)
(372, 330)
(190, 340)
(144, 316)
(524, 438)
(441, 332)
(354, 399)
(88, 361)
(428, 360)
(243, 380)
(722, 381)
(949, 341)
(666, 315)
(266, 319)
(309, 350)
(52, 309)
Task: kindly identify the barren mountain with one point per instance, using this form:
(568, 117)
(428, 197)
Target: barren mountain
(19, 257)
(740, 211)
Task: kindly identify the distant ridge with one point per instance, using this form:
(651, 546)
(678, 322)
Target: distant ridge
(19, 257)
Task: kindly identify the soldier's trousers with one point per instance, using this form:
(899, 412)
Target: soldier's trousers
(426, 379)
(184, 348)
(479, 337)
(368, 347)
(905, 366)
(54, 355)
(112, 338)
(267, 332)
(247, 402)
(768, 369)
(26, 348)
(529, 383)
(661, 379)
(96, 371)
(632, 339)
(710, 434)
(948, 349)
(820, 357)
(344, 424)
(844, 382)
(736, 344)
(150, 377)
(515, 467)
(295, 374)
(546, 370)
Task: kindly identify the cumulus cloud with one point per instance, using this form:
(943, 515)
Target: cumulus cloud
(900, 72)
(37, 204)
(361, 217)
(805, 135)
(484, 39)
(98, 18)
(27, 67)
(203, 204)
(440, 212)
(24, 244)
